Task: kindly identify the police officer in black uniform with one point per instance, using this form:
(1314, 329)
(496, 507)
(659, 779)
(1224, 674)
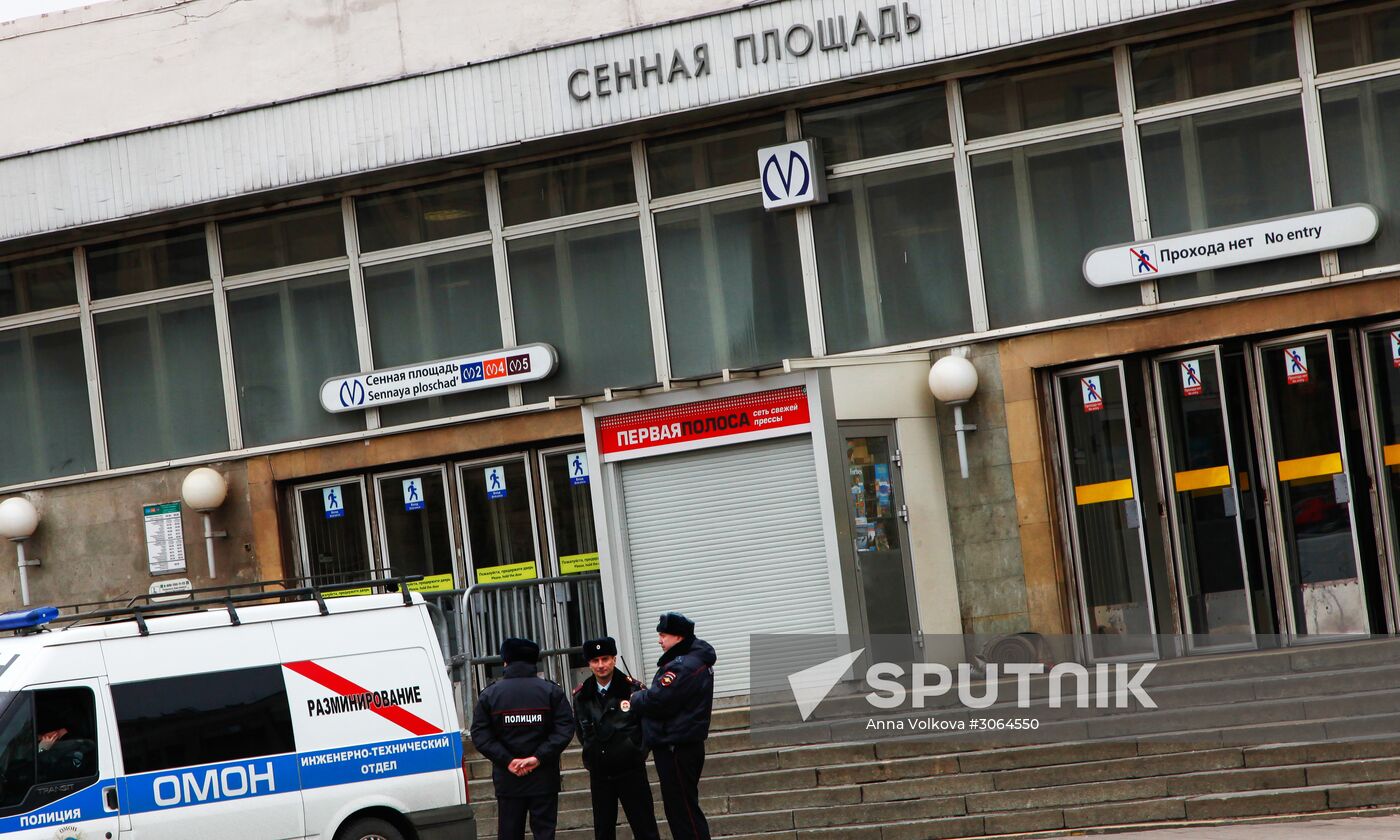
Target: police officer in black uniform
(613, 749)
(522, 724)
(675, 714)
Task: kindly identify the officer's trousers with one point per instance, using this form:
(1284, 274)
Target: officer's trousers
(633, 790)
(511, 811)
(679, 768)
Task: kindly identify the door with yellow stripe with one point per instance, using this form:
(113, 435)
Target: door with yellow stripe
(1314, 514)
(1116, 604)
(1382, 353)
(1211, 511)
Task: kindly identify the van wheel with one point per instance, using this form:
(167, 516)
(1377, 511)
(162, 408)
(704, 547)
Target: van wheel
(369, 829)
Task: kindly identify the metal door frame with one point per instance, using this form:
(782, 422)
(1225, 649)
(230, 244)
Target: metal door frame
(376, 562)
(386, 560)
(1387, 532)
(1066, 476)
(1169, 490)
(877, 428)
(469, 567)
(1289, 626)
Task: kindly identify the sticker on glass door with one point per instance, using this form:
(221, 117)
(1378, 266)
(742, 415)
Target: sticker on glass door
(1295, 360)
(495, 482)
(334, 502)
(1092, 393)
(1395, 348)
(1191, 385)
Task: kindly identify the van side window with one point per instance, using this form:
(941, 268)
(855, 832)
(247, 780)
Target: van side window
(48, 746)
(203, 718)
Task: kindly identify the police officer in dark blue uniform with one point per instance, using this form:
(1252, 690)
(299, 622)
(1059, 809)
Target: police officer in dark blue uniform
(675, 714)
(613, 749)
(522, 724)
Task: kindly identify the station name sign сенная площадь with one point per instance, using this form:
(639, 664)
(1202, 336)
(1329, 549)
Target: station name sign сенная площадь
(1222, 247)
(456, 375)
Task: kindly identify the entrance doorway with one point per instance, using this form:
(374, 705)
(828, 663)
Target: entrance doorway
(1259, 463)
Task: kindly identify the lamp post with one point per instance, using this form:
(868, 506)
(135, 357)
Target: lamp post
(18, 521)
(204, 490)
(953, 380)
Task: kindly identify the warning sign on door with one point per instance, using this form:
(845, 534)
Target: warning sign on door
(1092, 392)
(1395, 348)
(1191, 384)
(1295, 362)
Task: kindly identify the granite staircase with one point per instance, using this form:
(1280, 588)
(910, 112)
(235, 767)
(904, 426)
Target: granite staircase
(1303, 731)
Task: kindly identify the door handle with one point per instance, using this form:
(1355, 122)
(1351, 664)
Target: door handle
(1231, 501)
(109, 798)
(1132, 514)
(1341, 488)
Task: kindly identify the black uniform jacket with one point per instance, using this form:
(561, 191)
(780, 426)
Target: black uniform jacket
(676, 708)
(520, 716)
(610, 735)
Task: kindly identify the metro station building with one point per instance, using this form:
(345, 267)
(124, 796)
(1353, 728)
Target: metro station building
(208, 209)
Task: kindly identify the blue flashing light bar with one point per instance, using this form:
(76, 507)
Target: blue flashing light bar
(27, 619)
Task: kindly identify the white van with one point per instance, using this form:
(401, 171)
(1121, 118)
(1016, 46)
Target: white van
(322, 718)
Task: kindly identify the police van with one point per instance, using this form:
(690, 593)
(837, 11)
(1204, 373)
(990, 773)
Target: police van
(323, 718)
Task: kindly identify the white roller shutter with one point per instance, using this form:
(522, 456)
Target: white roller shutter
(732, 537)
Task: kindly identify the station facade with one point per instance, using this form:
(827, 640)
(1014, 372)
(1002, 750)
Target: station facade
(734, 419)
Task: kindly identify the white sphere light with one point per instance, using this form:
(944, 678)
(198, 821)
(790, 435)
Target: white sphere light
(18, 518)
(204, 489)
(952, 380)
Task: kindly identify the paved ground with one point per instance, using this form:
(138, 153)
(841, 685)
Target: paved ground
(1354, 828)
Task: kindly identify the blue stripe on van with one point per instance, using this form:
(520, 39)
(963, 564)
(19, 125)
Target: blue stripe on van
(230, 780)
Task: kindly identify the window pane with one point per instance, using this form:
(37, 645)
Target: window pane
(731, 278)
(305, 234)
(570, 505)
(18, 746)
(1362, 123)
(568, 185)
(288, 338)
(890, 259)
(34, 284)
(1018, 100)
(203, 719)
(431, 308)
(885, 125)
(1355, 35)
(1223, 168)
(566, 287)
(1040, 209)
(162, 390)
(1224, 60)
(726, 154)
(172, 258)
(421, 214)
(44, 404)
(67, 719)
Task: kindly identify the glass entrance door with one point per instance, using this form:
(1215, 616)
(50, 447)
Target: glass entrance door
(884, 577)
(498, 507)
(334, 523)
(1314, 515)
(415, 525)
(1382, 353)
(1106, 522)
(1204, 501)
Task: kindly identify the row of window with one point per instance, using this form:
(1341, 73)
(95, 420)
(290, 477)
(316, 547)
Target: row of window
(942, 221)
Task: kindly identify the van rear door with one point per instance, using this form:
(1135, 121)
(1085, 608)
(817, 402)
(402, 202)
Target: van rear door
(57, 772)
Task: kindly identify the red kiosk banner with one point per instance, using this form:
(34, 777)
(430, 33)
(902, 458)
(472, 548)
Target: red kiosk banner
(726, 420)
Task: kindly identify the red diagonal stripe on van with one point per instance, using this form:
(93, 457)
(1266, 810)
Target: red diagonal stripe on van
(396, 715)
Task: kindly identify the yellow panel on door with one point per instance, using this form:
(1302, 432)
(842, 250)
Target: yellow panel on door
(1204, 479)
(1107, 491)
(1314, 467)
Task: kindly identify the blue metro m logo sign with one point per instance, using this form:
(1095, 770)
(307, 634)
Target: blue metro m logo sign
(791, 174)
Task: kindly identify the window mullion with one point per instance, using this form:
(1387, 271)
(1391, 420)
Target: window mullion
(359, 309)
(1312, 126)
(225, 338)
(90, 361)
(651, 263)
(1132, 156)
(807, 252)
(498, 255)
(967, 210)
